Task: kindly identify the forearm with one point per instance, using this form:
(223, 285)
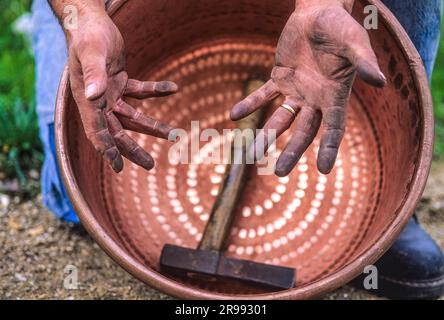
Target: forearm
(83, 10)
(82, 6)
(347, 4)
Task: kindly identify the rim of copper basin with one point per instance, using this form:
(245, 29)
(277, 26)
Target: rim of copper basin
(331, 282)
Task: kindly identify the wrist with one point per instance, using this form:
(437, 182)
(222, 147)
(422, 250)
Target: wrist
(87, 21)
(90, 6)
(301, 4)
(75, 14)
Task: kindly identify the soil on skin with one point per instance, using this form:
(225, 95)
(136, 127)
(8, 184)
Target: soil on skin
(35, 249)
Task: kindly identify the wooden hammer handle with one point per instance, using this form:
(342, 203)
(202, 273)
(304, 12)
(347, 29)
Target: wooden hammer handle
(219, 225)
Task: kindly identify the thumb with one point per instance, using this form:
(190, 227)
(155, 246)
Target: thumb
(353, 42)
(366, 64)
(95, 76)
(360, 53)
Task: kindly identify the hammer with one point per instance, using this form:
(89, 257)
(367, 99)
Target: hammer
(208, 262)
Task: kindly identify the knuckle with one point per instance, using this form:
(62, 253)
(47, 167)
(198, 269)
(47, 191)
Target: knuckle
(335, 118)
(101, 140)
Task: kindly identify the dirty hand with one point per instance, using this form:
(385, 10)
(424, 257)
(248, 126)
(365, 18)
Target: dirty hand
(99, 84)
(321, 50)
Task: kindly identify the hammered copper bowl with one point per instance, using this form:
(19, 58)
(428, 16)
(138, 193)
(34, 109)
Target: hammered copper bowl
(327, 227)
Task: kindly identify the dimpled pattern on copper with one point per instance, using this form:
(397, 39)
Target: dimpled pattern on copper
(317, 224)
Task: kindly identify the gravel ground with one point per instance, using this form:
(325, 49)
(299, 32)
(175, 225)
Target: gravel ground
(35, 249)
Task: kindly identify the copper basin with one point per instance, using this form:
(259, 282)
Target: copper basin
(327, 227)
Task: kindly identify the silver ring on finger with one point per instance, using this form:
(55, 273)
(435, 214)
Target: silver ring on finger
(289, 109)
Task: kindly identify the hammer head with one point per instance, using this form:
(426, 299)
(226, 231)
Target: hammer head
(214, 266)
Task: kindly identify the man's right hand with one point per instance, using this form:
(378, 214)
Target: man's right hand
(99, 84)
(321, 51)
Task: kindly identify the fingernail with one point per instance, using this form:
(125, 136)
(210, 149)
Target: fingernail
(91, 91)
(173, 136)
(325, 165)
(144, 160)
(383, 76)
(166, 87)
(114, 159)
(235, 114)
(281, 172)
(174, 87)
(285, 165)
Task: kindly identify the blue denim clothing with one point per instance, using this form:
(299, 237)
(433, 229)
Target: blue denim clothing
(421, 19)
(50, 56)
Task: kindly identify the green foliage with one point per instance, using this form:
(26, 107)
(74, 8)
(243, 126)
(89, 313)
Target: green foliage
(20, 148)
(19, 139)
